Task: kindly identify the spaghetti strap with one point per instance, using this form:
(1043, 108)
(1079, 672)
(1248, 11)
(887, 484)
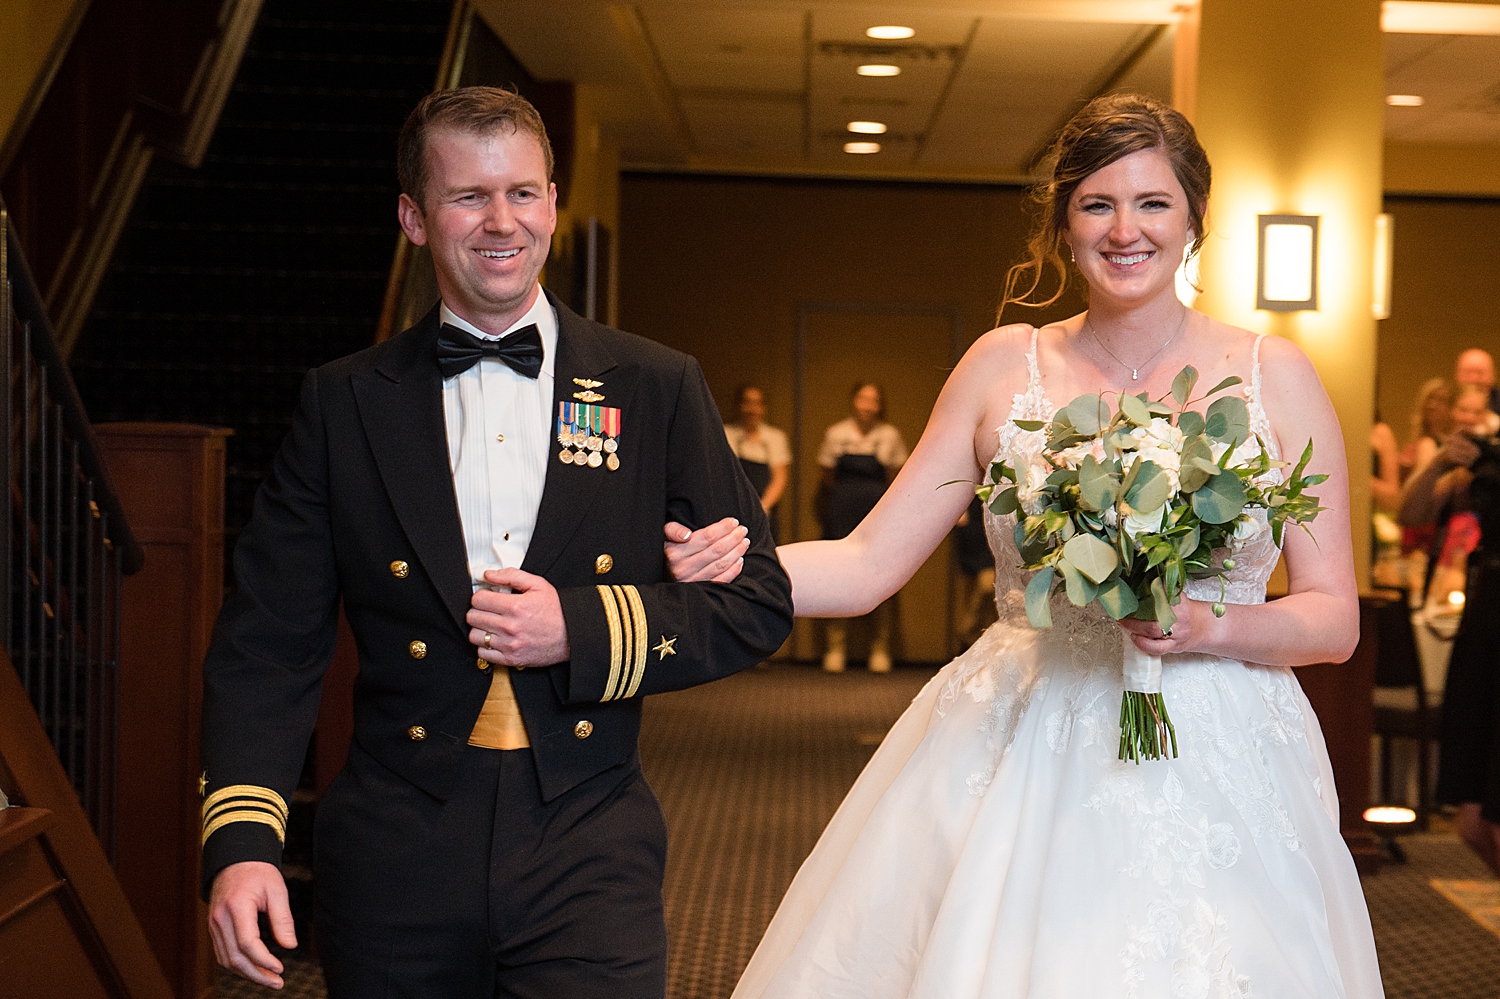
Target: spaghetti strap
(1260, 423)
(1033, 370)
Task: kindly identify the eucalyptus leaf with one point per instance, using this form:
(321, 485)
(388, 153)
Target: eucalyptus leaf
(1117, 599)
(1160, 409)
(1150, 489)
(1216, 426)
(1134, 409)
(1092, 557)
(1004, 502)
(1226, 383)
(1220, 499)
(1084, 413)
(1237, 415)
(1161, 606)
(1182, 385)
(1080, 590)
(1190, 423)
(1098, 487)
(1038, 608)
(1197, 464)
(1030, 424)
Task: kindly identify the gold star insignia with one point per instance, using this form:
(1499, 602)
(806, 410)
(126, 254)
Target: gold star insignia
(665, 648)
(203, 783)
(587, 383)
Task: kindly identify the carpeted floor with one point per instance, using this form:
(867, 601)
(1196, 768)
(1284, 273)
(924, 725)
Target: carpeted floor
(750, 769)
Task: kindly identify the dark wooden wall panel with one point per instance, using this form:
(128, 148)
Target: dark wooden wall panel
(170, 478)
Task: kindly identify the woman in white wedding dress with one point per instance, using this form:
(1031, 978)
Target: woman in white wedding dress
(995, 846)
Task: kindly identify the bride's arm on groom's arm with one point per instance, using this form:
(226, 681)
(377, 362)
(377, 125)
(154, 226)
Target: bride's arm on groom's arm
(851, 576)
(1318, 620)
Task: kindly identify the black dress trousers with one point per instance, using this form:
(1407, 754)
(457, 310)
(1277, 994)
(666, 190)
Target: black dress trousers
(492, 893)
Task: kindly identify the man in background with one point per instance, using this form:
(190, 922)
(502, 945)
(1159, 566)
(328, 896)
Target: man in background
(1477, 367)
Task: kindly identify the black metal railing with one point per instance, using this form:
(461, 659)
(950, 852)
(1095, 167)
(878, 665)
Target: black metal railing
(66, 544)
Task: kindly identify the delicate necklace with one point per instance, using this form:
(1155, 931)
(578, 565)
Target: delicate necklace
(1135, 370)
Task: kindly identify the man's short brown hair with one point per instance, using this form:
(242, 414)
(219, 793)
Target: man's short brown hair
(472, 110)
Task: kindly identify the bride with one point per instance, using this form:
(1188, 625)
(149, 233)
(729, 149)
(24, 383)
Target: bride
(995, 846)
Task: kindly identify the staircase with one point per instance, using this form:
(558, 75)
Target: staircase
(232, 280)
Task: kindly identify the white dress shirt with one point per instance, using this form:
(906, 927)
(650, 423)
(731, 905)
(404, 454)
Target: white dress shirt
(500, 432)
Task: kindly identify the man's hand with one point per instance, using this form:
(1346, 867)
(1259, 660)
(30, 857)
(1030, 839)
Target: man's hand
(524, 627)
(712, 554)
(241, 892)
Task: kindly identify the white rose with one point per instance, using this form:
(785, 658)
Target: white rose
(1245, 528)
(1073, 457)
(1029, 490)
(1136, 524)
(1111, 518)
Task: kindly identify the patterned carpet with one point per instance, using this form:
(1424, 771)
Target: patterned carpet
(749, 769)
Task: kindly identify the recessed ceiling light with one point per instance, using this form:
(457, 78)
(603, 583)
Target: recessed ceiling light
(862, 148)
(878, 69)
(890, 32)
(867, 127)
(1405, 100)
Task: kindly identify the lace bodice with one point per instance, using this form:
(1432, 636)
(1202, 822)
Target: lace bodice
(1246, 583)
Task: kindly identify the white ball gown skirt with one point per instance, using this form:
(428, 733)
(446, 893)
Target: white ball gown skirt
(995, 847)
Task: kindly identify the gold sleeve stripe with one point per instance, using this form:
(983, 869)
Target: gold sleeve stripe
(627, 643)
(265, 794)
(616, 642)
(225, 807)
(229, 818)
(638, 612)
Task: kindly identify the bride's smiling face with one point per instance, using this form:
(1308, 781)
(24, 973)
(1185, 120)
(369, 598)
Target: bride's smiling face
(1128, 226)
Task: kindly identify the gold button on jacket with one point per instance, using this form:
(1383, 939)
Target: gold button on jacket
(481, 664)
(417, 733)
(399, 569)
(603, 564)
(584, 729)
(418, 649)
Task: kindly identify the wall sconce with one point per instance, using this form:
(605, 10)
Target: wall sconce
(1381, 300)
(1286, 278)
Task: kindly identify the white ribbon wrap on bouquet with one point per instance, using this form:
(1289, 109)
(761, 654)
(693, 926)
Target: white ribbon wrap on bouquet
(1142, 669)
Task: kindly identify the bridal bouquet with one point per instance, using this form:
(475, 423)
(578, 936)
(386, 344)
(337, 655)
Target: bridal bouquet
(1121, 507)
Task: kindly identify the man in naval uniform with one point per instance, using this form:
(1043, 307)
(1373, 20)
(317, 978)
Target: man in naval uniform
(486, 493)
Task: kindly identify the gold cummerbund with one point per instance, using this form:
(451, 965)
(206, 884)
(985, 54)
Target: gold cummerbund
(500, 725)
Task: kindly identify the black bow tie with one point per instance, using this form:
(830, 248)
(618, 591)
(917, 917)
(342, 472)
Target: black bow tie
(459, 350)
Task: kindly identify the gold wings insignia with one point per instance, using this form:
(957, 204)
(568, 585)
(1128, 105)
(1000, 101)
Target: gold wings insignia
(587, 383)
(587, 396)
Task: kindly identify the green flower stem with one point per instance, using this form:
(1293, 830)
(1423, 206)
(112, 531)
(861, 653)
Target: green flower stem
(1146, 730)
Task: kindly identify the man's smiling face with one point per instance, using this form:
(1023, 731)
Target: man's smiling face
(488, 217)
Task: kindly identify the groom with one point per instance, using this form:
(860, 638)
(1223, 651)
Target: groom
(485, 494)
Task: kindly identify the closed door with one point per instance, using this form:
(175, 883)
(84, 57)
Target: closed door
(909, 356)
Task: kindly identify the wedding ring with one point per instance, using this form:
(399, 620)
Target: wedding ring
(487, 637)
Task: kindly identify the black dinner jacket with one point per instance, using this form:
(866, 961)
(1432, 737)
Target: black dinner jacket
(360, 506)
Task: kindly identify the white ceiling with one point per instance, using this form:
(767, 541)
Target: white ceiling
(771, 84)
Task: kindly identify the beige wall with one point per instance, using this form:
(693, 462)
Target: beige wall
(1443, 295)
(28, 31)
(717, 266)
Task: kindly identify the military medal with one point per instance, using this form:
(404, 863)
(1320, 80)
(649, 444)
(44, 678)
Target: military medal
(588, 433)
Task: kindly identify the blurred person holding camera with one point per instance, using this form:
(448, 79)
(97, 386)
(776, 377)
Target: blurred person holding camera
(1461, 487)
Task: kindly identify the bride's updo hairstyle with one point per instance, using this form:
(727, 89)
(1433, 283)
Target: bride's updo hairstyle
(1108, 128)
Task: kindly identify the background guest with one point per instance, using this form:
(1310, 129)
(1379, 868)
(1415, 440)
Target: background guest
(1430, 423)
(1477, 367)
(975, 608)
(761, 448)
(859, 457)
